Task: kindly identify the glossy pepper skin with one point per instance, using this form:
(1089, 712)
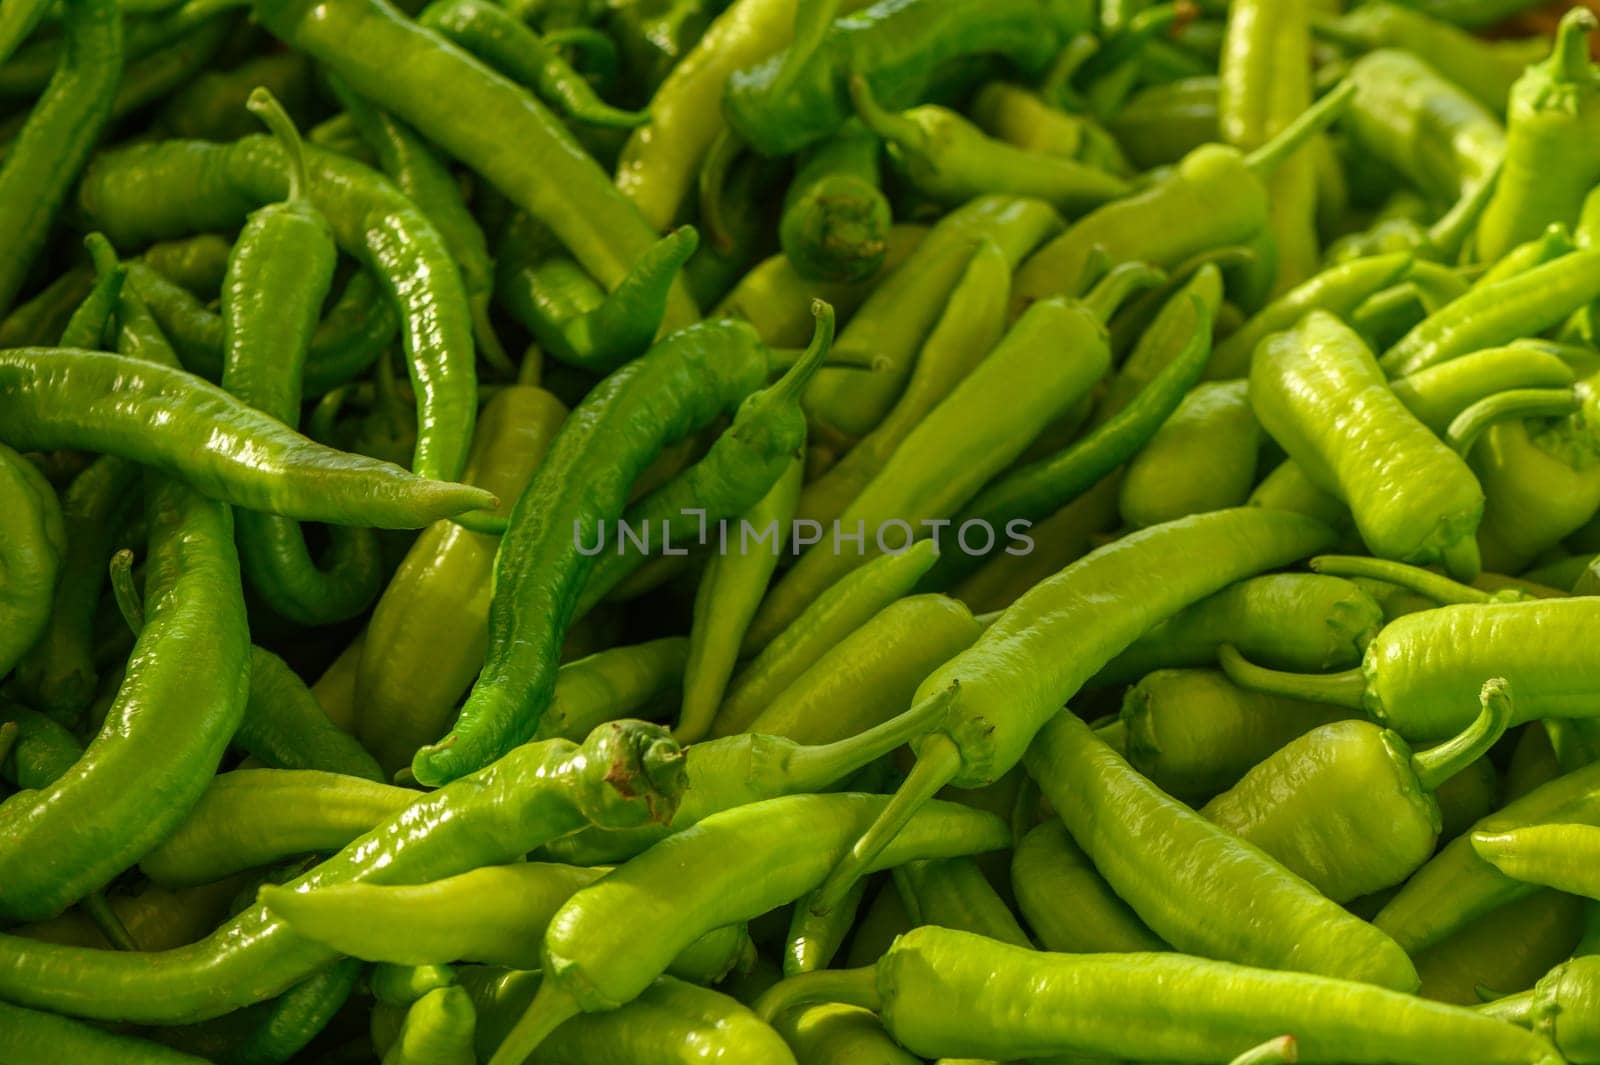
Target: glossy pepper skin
(1198, 902)
(1561, 1008)
(1413, 498)
(180, 702)
(1552, 143)
(1066, 903)
(1348, 805)
(33, 543)
(802, 94)
(623, 774)
(399, 65)
(679, 386)
(1217, 1009)
(1175, 474)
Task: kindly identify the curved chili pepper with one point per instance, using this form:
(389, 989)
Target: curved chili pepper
(1066, 903)
(1560, 1007)
(623, 774)
(1552, 124)
(182, 698)
(1297, 378)
(756, 868)
(1171, 477)
(1220, 1009)
(55, 140)
(224, 448)
(612, 684)
(426, 638)
(522, 150)
(31, 1037)
(1021, 118)
(276, 1030)
(951, 160)
(681, 384)
(177, 187)
(831, 1032)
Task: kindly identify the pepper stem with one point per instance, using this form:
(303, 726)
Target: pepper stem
(1280, 1051)
(1313, 120)
(266, 107)
(850, 987)
(892, 126)
(812, 19)
(101, 254)
(102, 916)
(1513, 1009)
(724, 151)
(938, 762)
(1447, 235)
(787, 389)
(551, 1007)
(1122, 281)
(1096, 264)
(1412, 578)
(1512, 403)
(1569, 58)
(129, 603)
(1346, 689)
(815, 767)
(1438, 764)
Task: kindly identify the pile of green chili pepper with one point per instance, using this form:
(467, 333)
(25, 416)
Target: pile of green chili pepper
(799, 532)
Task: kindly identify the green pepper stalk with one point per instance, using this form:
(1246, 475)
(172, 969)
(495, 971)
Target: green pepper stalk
(951, 160)
(934, 986)
(1560, 1007)
(1552, 143)
(836, 218)
(1354, 781)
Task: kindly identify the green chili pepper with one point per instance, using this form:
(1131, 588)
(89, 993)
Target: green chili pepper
(1196, 904)
(990, 720)
(951, 160)
(671, 1022)
(1375, 446)
(1214, 198)
(624, 774)
(767, 433)
(972, 324)
(276, 1030)
(515, 144)
(1560, 1008)
(801, 94)
(278, 276)
(496, 915)
(903, 309)
(835, 223)
(755, 868)
(829, 1032)
(41, 319)
(1264, 83)
(209, 106)
(1470, 13)
(69, 398)
(1294, 805)
(426, 639)
(1066, 903)
(1485, 69)
(41, 752)
(1025, 382)
(1160, 124)
(812, 941)
(30, 1037)
(1021, 118)
(255, 817)
(1194, 733)
(1218, 1009)
(412, 165)
(1314, 621)
(1439, 394)
(543, 562)
(1172, 477)
(163, 736)
(1551, 163)
(953, 893)
(176, 187)
(438, 1029)
(1516, 944)
(729, 592)
(54, 142)
(612, 684)
(500, 39)
(35, 542)
(787, 653)
(285, 727)
(1434, 134)
(1550, 854)
(1338, 290)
